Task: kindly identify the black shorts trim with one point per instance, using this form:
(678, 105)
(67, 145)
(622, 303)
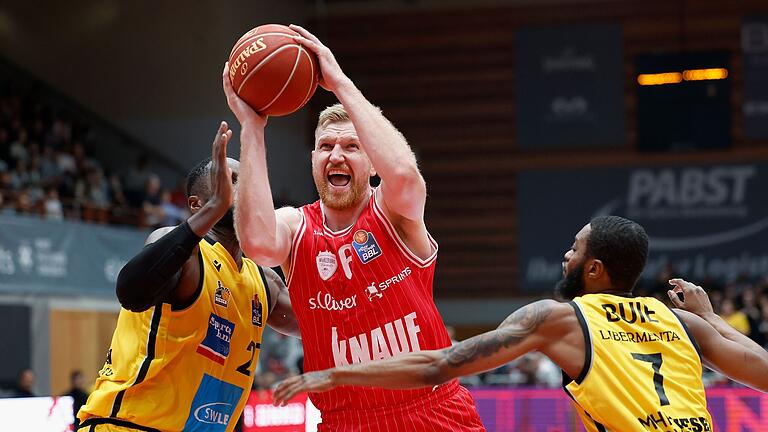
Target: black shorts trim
(90, 424)
(598, 425)
(151, 343)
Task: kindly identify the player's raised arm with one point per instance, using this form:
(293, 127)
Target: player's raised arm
(264, 235)
(165, 270)
(722, 346)
(530, 328)
(403, 189)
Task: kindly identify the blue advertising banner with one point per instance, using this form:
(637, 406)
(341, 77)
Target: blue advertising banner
(754, 47)
(570, 86)
(706, 220)
(39, 256)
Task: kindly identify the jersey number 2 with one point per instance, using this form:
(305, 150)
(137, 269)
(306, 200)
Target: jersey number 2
(658, 379)
(245, 368)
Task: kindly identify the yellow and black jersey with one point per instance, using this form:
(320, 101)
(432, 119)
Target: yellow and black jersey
(190, 369)
(642, 370)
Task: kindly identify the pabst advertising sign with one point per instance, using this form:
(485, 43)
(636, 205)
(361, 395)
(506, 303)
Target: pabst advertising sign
(706, 220)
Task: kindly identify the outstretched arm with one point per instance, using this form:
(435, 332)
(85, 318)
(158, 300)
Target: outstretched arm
(523, 331)
(722, 346)
(264, 236)
(402, 187)
(167, 270)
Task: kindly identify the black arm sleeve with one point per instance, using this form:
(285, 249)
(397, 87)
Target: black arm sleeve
(151, 275)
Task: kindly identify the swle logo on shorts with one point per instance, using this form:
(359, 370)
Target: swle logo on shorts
(213, 405)
(215, 346)
(366, 247)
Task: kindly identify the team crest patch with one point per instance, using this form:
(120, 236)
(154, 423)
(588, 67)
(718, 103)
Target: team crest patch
(366, 247)
(256, 308)
(215, 346)
(222, 294)
(326, 264)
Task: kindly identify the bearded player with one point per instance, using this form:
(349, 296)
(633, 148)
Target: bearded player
(629, 363)
(188, 337)
(360, 262)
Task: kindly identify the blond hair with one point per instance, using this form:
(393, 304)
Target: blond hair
(332, 114)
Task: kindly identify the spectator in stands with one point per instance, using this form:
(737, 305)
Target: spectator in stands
(24, 203)
(92, 194)
(152, 202)
(172, 215)
(52, 208)
(116, 190)
(5, 209)
(65, 162)
(77, 392)
(751, 309)
(20, 176)
(136, 180)
(24, 384)
(179, 195)
(735, 318)
(60, 133)
(18, 148)
(49, 170)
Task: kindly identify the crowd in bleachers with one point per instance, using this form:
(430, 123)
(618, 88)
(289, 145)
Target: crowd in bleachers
(46, 169)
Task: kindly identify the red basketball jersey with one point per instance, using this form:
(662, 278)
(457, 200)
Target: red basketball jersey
(360, 295)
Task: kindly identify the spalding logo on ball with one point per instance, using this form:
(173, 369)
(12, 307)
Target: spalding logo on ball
(271, 72)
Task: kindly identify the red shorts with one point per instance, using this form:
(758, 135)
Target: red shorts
(449, 408)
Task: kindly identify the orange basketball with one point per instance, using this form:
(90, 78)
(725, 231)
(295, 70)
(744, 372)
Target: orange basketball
(270, 71)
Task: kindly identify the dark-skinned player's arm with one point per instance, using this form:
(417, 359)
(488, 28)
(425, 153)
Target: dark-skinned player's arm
(167, 269)
(530, 328)
(722, 347)
(281, 316)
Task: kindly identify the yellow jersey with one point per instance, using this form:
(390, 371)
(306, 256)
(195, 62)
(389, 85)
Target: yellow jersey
(642, 369)
(190, 369)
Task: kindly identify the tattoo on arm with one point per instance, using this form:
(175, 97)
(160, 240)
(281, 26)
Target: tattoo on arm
(512, 331)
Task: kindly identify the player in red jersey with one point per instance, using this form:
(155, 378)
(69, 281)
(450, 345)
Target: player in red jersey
(359, 262)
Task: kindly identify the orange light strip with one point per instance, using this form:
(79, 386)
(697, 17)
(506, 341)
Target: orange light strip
(659, 78)
(686, 75)
(705, 74)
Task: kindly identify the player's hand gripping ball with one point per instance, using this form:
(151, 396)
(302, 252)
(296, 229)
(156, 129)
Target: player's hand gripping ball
(271, 72)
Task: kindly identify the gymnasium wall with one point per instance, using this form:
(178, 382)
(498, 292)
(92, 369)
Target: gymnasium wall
(447, 79)
(79, 340)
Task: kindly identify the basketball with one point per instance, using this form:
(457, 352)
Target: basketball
(271, 72)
